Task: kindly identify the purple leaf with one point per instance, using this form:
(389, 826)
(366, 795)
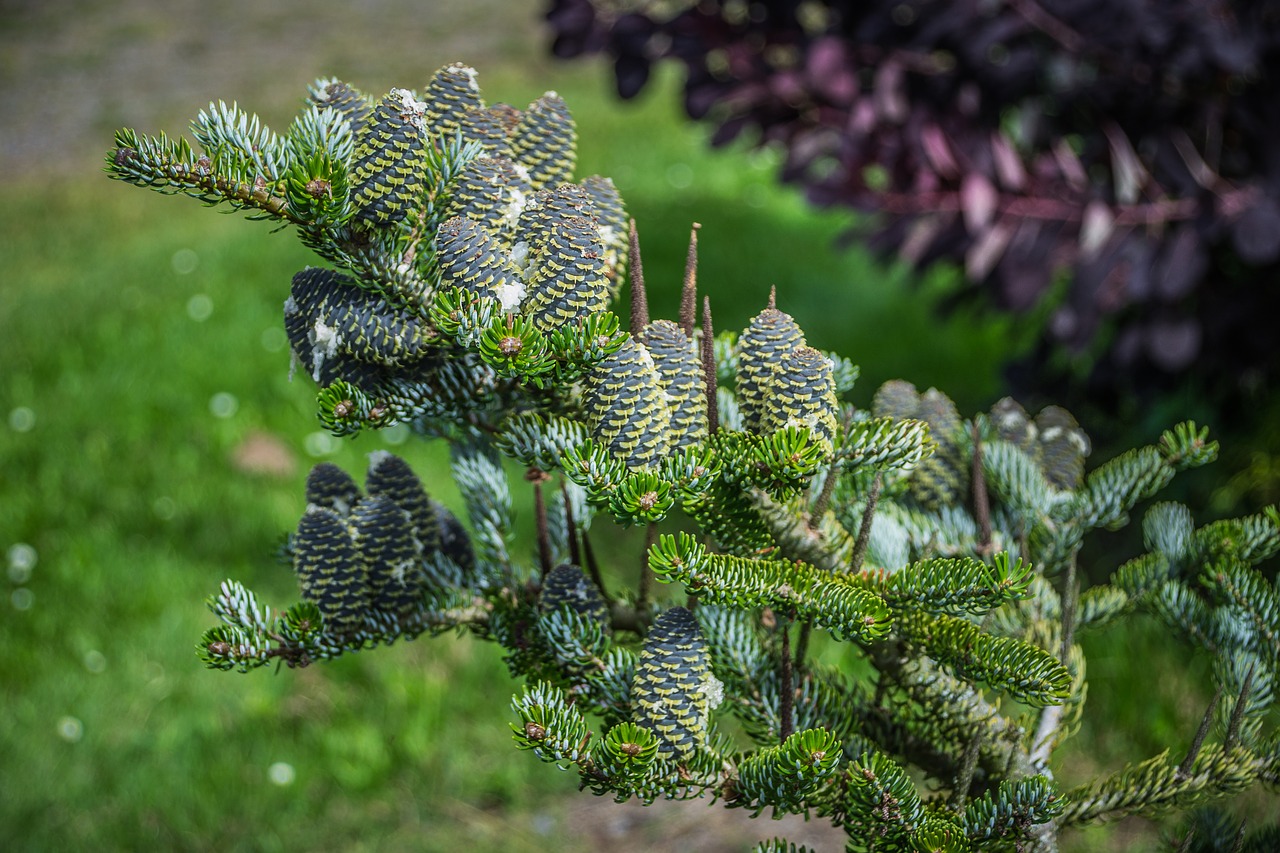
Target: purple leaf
(978, 201)
(1008, 163)
(1129, 174)
(985, 253)
(1096, 227)
(938, 151)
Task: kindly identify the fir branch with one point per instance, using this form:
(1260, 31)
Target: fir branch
(785, 777)
(958, 585)
(1154, 785)
(1024, 671)
(833, 603)
(172, 167)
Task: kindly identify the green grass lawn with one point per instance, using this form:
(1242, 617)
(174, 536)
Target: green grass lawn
(143, 361)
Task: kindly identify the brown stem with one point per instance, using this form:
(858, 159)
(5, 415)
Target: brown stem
(1237, 713)
(802, 644)
(570, 526)
(964, 779)
(1184, 769)
(1070, 604)
(593, 568)
(689, 292)
(786, 678)
(537, 476)
(646, 574)
(981, 501)
(864, 531)
(824, 497)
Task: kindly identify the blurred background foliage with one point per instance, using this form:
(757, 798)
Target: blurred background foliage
(152, 444)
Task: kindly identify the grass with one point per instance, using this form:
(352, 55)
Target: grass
(142, 354)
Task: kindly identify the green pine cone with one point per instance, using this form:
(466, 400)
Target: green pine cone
(1013, 424)
(801, 392)
(491, 127)
(384, 538)
(566, 274)
(680, 375)
(545, 141)
(387, 167)
(769, 338)
(330, 571)
(454, 541)
(391, 477)
(354, 105)
(328, 315)
(674, 691)
(449, 97)
(547, 209)
(492, 192)
(942, 478)
(897, 399)
(1063, 447)
(626, 408)
(470, 257)
(330, 487)
(611, 219)
(567, 586)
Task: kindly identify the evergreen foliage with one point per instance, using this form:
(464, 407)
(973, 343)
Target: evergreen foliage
(470, 302)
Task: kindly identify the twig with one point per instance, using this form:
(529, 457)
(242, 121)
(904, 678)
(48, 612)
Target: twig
(1237, 713)
(864, 531)
(1184, 769)
(981, 502)
(570, 526)
(593, 568)
(1070, 604)
(964, 779)
(819, 507)
(642, 593)
(802, 644)
(537, 476)
(786, 678)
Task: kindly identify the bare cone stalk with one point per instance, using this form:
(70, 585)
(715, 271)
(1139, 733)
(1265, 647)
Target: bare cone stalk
(689, 292)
